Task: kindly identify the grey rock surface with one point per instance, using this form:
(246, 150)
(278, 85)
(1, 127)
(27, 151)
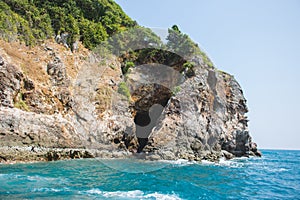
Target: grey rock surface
(204, 119)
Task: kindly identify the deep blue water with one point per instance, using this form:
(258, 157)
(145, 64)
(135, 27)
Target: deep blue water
(274, 176)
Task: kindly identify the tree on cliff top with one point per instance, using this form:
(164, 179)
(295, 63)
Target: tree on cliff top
(183, 45)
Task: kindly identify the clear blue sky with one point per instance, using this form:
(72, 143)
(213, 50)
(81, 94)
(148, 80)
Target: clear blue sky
(257, 41)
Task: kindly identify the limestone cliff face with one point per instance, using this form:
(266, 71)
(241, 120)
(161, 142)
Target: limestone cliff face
(68, 100)
(205, 117)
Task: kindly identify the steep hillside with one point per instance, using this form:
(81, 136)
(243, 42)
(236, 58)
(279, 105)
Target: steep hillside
(88, 21)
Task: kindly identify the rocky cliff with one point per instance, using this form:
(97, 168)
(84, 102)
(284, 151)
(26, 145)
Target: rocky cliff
(58, 104)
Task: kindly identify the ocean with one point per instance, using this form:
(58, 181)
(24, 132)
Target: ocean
(274, 176)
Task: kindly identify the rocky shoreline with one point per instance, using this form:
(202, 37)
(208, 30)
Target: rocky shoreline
(10, 155)
(29, 154)
(38, 154)
(51, 109)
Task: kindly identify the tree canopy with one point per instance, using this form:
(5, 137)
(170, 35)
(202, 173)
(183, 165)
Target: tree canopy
(90, 21)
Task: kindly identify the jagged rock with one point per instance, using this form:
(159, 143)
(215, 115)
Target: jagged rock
(10, 83)
(21, 128)
(59, 154)
(62, 39)
(60, 82)
(75, 46)
(253, 147)
(258, 153)
(1, 61)
(204, 116)
(57, 71)
(227, 155)
(205, 119)
(28, 84)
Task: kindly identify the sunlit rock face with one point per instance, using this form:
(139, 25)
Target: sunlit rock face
(167, 115)
(205, 117)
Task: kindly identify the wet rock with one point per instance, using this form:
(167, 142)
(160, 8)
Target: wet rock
(253, 147)
(62, 154)
(52, 156)
(258, 153)
(153, 157)
(227, 155)
(2, 158)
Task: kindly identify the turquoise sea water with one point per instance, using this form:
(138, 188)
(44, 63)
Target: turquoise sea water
(274, 176)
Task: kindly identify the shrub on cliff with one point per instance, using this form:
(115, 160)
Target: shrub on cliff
(127, 66)
(124, 90)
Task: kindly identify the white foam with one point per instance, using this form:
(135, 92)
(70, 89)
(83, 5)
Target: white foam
(162, 196)
(50, 189)
(93, 191)
(134, 194)
(224, 162)
(206, 162)
(179, 162)
(276, 169)
(234, 163)
(41, 178)
(129, 194)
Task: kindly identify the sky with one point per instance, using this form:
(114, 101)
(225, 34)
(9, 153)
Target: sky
(256, 41)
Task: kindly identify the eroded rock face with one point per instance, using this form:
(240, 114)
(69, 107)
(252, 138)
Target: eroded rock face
(19, 128)
(204, 119)
(10, 83)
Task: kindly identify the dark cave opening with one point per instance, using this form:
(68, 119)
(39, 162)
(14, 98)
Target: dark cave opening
(142, 118)
(149, 103)
(166, 70)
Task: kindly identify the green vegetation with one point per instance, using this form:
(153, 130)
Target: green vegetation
(188, 65)
(126, 42)
(175, 90)
(142, 46)
(124, 90)
(90, 21)
(183, 45)
(128, 65)
(20, 103)
(188, 69)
